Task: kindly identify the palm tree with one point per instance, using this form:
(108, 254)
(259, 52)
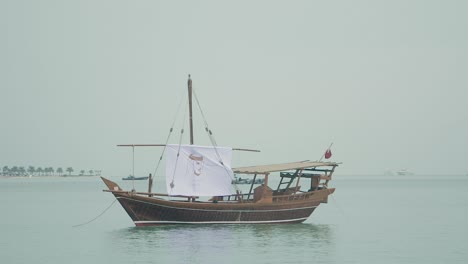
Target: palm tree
(6, 170)
(39, 171)
(14, 171)
(60, 171)
(21, 171)
(69, 170)
(31, 170)
(91, 172)
(82, 172)
(49, 171)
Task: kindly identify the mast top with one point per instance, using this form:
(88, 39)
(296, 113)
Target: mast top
(189, 84)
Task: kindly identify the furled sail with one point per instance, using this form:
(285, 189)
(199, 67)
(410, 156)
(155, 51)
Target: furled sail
(198, 170)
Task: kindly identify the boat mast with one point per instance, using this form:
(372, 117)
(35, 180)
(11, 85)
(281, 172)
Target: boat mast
(189, 83)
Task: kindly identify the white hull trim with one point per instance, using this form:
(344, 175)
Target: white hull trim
(222, 222)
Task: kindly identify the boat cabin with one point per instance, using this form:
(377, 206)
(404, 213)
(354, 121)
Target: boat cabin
(314, 175)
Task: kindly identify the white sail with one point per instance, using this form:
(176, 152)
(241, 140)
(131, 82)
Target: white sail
(198, 170)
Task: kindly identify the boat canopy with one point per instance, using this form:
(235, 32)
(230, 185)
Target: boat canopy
(265, 169)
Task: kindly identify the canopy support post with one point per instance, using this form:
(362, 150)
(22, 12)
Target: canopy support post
(265, 184)
(251, 186)
(298, 180)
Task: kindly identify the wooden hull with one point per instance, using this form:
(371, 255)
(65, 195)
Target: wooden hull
(153, 211)
(148, 211)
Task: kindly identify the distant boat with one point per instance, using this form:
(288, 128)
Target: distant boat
(240, 180)
(195, 173)
(404, 172)
(130, 177)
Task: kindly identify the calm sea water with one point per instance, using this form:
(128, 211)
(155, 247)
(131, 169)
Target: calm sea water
(371, 219)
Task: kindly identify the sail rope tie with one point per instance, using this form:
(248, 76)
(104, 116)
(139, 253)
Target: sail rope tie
(105, 210)
(177, 160)
(163, 151)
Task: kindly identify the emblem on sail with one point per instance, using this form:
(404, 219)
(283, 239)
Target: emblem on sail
(198, 170)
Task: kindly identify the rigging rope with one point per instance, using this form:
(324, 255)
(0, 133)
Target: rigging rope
(180, 142)
(213, 142)
(169, 135)
(208, 131)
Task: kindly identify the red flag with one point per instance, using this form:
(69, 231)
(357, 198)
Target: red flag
(328, 154)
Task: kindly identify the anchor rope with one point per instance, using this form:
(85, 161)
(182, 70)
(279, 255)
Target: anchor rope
(336, 203)
(105, 210)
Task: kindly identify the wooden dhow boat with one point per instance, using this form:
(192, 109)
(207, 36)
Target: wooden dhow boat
(200, 190)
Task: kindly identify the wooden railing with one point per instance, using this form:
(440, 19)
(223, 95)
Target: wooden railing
(236, 197)
(294, 197)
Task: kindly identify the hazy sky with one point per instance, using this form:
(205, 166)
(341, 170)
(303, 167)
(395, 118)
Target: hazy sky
(386, 81)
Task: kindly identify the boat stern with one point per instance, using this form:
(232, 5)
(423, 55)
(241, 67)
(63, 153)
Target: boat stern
(330, 192)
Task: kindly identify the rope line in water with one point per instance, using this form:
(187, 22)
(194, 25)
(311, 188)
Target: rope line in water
(97, 216)
(337, 204)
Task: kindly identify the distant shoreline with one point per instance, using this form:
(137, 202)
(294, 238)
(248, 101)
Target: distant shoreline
(47, 176)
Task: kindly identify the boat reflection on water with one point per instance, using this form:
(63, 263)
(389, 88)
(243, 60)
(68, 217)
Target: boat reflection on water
(210, 243)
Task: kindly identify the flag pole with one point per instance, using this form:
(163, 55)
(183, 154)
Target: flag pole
(323, 155)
